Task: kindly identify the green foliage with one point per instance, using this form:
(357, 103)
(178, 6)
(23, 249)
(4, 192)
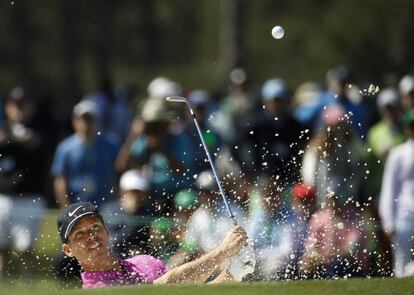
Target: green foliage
(63, 48)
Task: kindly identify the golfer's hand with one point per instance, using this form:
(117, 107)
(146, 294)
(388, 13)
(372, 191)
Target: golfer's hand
(234, 240)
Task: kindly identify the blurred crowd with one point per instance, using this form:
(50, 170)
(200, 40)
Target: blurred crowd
(321, 178)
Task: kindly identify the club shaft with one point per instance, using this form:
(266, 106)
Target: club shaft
(212, 166)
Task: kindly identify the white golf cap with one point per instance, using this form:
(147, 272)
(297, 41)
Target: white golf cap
(205, 181)
(162, 87)
(406, 84)
(388, 96)
(86, 107)
(133, 180)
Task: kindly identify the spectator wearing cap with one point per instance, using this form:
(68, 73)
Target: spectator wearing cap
(268, 140)
(158, 143)
(83, 170)
(337, 235)
(406, 88)
(383, 136)
(83, 166)
(128, 217)
(150, 149)
(396, 205)
(156, 111)
(158, 89)
(22, 179)
(334, 157)
(134, 191)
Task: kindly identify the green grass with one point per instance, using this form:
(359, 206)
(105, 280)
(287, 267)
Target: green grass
(338, 287)
(48, 242)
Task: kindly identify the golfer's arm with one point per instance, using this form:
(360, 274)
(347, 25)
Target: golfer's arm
(197, 271)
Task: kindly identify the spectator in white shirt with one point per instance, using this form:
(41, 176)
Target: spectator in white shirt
(397, 198)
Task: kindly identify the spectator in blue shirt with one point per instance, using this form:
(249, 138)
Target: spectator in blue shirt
(83, 167)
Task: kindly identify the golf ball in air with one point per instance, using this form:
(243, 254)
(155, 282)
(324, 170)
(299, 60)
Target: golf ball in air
(278, 32)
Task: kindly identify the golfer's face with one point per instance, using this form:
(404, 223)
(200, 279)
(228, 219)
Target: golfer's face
(89, 239)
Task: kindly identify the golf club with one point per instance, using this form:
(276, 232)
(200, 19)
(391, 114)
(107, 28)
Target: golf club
(184, 100)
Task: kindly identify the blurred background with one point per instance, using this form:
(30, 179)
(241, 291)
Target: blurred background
(60, 50)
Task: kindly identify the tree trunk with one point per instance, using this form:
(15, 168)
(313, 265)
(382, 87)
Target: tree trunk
(69, 51)
(231, 43)
(105, 11)
(21, 27)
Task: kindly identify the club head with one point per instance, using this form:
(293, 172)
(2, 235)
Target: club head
(176, 99)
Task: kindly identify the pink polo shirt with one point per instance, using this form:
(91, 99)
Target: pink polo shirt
(140, 269)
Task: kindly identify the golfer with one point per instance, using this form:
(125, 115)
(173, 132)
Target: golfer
(85, 237)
